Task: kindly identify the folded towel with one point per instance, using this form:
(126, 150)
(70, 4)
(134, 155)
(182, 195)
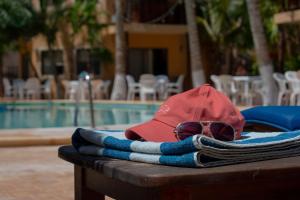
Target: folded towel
(285, 118)
(196, 151)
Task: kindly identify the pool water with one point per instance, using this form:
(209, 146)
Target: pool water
(43, 115)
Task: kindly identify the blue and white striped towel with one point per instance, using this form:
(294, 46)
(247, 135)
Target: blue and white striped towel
(196, 151)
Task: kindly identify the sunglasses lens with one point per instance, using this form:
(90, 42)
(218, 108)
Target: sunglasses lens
(188, 129)
(222, 131)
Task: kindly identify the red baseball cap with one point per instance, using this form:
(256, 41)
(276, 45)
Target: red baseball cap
(203, 103)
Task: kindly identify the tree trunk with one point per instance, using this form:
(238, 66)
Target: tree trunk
(56, 90)
(33, 67)
(228, 60)
(1, 77)
(69, 62)
(261, 49)
(281, 50)
(119, 87)
(68, 58)
(26, 49)
(198, 76)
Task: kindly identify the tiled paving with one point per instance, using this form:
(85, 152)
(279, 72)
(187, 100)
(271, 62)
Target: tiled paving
(34, 173)
(44, 136)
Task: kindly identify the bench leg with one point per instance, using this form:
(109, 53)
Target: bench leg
(81, 191)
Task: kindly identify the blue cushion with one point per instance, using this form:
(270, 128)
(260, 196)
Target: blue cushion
(286, 118)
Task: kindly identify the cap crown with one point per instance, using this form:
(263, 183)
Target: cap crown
(200, 104)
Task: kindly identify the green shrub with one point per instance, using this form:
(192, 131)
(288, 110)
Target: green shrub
(292, 63)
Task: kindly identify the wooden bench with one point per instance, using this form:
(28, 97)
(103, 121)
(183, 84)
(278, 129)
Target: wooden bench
(96, 177)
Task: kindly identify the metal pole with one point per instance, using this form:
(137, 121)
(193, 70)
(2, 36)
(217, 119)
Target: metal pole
(76, 108)
(91, 103)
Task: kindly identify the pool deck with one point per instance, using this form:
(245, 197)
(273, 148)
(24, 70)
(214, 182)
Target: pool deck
(35, 173)
(44, 136)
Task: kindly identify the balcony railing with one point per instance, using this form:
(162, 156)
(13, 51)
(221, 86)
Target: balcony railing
(155, 11)
(289, 5)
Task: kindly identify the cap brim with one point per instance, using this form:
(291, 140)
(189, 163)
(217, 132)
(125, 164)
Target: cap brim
(152, 130)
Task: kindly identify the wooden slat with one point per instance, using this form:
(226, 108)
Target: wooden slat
(148, 175)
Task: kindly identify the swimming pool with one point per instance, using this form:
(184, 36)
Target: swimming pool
(59, 114)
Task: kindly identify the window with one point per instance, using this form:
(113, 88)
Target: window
(10, 64)
(52, 62)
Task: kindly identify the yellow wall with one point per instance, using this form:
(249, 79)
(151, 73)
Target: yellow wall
(39, 44)
(175, 44)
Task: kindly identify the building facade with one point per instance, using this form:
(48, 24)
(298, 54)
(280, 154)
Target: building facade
(156, 38)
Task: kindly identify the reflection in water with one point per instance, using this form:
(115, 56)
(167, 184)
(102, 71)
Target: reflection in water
(63, 116)
(120, 116)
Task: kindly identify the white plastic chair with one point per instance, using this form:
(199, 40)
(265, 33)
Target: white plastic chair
(147, 86)
(257, 87)
(66, 86)
(162, 77)
(82, 89)
(8, 89)
(161, 86)
(18, 88)
(71, 89)
(177, 87)
(294, 83)
(47, 87)
(215, 79)
(96, 89)
(282, 87)
(228, 87)
(133, 87)
(33, 88)
(105, 88)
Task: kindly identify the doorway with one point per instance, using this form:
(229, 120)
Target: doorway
(147, 61)
(88, 60)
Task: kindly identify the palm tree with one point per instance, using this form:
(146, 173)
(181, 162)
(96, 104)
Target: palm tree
(119, 87)
(17, 17)
(261, 49)
(226, 23)
(198, 77)
(71, 20)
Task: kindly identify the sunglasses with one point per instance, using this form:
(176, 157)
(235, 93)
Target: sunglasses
(218, 130)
